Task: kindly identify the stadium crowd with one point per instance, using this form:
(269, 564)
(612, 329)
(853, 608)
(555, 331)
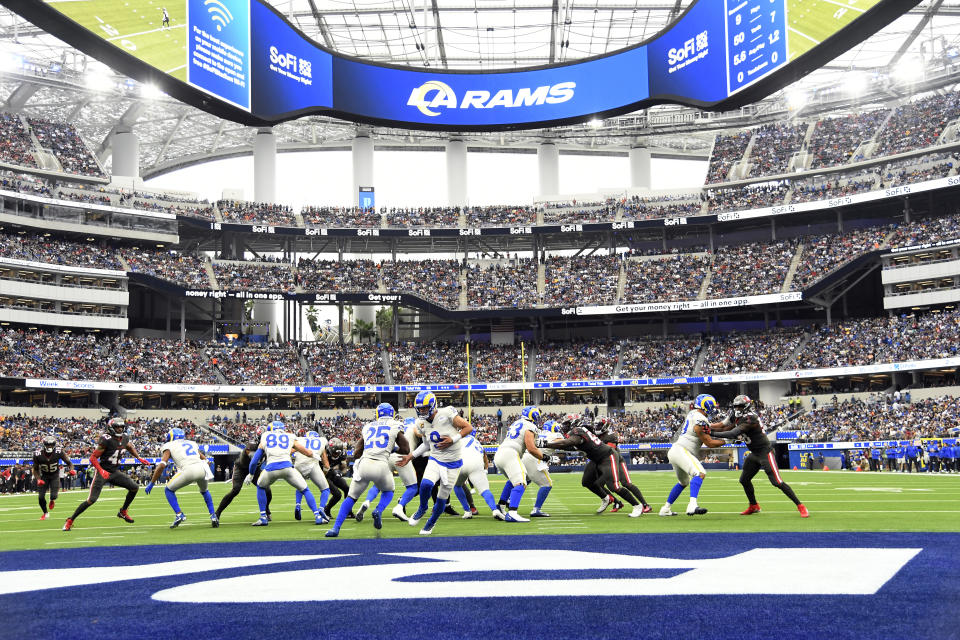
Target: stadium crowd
(666, 279)
(256, 213)
(50, 250)
(751, 269)
(750, 197)
(16, 147)
(917, 124)
(63, 140)
(340, 217)
(434, 280)
(178, 268)
(774, 146)
(253, 276)
(753, 351)
(835, 140)
(348, 363)
(581, 280)
(512, 285)
(331, 275)
(727, 150)
(423, 217)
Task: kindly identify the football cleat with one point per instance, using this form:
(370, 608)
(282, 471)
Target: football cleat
(499, 515)
(377, 520)
(513, 516)
(214, 521)
(323, 515)
(399, 514)
(667, 511)
(617, 505)
(318, 518)
(180, 519)
(332, 533)
(637, 511)
(450, 511)
(803, 511)
(296, 513)
(44, 515)
(466, 515)
(425, 531)
(415, 518)
(754, 508)
(363, 509)
(604, 504)
(696, 511)
(473, 511)
(68, 524)
(269, 517)
(536, 513)
(123, 515)
(260, 522)
(50, 506)
(647, 508)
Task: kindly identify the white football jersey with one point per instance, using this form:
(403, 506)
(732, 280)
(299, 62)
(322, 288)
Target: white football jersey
(516, 434)
(544, 440)
(277, 446)
(182, 452)
(317, 445)
(687, 437)
(472, 449)
(379, 438)
(434, 432)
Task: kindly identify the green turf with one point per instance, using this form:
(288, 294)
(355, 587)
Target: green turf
(134, 25)
(838, 501)
(810, 22)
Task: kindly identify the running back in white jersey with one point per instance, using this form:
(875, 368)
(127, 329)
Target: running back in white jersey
(434, 432)
(516, 434)
(277, 446)
(379, 438)
(317, 445)
(182, 452)
(687, 437)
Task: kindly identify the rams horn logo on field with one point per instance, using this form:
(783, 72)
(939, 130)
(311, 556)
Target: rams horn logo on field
(445, 95)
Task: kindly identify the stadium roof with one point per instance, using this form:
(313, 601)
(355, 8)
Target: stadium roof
(42, 76)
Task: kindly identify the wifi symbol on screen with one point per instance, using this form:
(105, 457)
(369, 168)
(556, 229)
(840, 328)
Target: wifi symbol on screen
(219, 13)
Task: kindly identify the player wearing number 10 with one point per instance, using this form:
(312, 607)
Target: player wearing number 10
(372, 453)
(191, 467)
(276, 445)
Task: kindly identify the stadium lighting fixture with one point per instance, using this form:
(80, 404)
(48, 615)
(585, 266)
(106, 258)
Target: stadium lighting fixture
(98, 82)
(595, 124)
(856, 83)
(909, 69)
(10, 62)
(150, 91)
(795, 98)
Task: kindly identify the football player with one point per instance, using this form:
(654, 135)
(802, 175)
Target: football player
(539, 470)
(242, 476)
(106, 460)
(407, 475)
(192, 466)
(372, 453)
(275, 446)
(474, 469)
(337, 458)
(684, 454)
(746, 422)
(578, 436)
(520, 438)
(46, 469)
(310, 469)
(443, 430)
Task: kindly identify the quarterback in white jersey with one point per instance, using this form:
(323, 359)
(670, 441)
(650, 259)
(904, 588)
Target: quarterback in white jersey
(474, 469)
(684, 454)
(312, 468)
(191, 465)
(372, 455)
(276, 445)
(521, 437)
(443, 430)
(538, 470)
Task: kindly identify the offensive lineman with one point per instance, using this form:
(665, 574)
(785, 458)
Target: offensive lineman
(242, 476)
(474, 469)
(106, 460)
(191, 467)
(520, 438)
(746, 422)
(538, 470)
(684, 454)
(276, 445)
(443, 431)
(46, 469)
(310, 469)
(372, 455)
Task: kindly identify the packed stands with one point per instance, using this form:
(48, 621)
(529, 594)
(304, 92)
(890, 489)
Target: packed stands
(333, 275)
(586, 360)
(574, 212)
(431, 362)
(16, 147)
(665, 279)
(754, 351)
(65, 143)
(500, 216)
(434, 280)
(917, 124)
(257, 365)
(512, 284)
(423, 217)
(253, 276)
(748, 197)
(751, 269)
(256, 213)
(659, 357)
(348, 363)
(496, 363)
(820, 188)
(727, 150)
(637, 208)
(835, 140)
(50, 250)
(823, 254)
(581, 280)
(774, 146)
(180, 269)
(340, 217)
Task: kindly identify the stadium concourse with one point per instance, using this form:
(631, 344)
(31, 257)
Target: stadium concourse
(290, 346)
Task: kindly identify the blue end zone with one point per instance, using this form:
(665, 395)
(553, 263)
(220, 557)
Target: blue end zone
(917, 601)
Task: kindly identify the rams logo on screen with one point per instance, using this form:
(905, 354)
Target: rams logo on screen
(434, 93)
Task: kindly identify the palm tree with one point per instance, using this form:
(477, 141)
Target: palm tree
(385, 322)
(363, 330)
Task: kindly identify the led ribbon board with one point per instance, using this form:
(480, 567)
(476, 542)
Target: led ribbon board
(242, 60)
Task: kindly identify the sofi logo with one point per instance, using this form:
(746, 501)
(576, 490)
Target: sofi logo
(433, 94)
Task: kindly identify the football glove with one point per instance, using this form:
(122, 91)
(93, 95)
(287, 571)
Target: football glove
(147, 489)
(72, 472)
(40, 482)
(104, 474)
(248, 479)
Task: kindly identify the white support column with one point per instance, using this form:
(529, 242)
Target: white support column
(456, 173)
(265, 166)
(640, 168)
(548, 161)
(125, 146)
(362, 165)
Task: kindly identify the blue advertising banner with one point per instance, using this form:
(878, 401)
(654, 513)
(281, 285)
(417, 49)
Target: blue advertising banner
(689, 61)
(218, 49)
(757, 37)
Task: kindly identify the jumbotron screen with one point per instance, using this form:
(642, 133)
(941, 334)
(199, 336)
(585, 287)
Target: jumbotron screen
(247, 55)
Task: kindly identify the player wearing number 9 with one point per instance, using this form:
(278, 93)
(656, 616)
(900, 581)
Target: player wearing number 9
(276, 445)
(191, 467)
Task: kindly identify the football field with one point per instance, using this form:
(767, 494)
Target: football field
(135, 26)
(877, 558)
(810, 22)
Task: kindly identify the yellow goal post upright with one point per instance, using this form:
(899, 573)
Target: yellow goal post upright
(469, 396)
(523, 374)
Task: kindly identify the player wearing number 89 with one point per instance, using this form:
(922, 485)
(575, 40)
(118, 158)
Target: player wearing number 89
(443, 430)
(520, 438)
(310, 468)
(276, 445)
(191, 467)
(372, 453)
(106, 460)
(684, 454)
